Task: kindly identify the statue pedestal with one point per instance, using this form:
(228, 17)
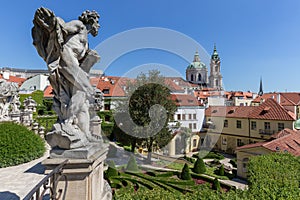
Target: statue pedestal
(84, 175)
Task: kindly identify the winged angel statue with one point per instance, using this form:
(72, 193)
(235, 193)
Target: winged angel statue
(64, 47)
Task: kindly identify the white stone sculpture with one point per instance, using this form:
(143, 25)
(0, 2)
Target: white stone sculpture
(64, 47)
(9, 100)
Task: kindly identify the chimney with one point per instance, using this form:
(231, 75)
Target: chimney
(278, 98)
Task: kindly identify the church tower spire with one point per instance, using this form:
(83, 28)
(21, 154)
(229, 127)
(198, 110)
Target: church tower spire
(215, 78)
(261, 92)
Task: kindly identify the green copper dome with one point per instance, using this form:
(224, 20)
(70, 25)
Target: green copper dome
(297, 124)
(196, 64)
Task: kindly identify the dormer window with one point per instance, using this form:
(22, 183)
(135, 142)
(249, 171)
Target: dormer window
(105, 91)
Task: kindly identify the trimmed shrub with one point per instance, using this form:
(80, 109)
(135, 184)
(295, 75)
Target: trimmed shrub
(185, 173)
(132, 165)
(18, 145)
(221, 170)
(216, 185)
(111, 171)
(199, 166)
(211, 155)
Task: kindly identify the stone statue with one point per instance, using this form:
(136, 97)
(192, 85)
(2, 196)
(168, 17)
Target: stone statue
(9, 99)
(64, 47)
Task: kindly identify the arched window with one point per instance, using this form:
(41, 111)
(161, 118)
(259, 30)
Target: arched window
(192, 77)
(217, 82)
(199, 77)
(216, 68)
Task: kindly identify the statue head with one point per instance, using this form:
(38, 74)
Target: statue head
(90, 19)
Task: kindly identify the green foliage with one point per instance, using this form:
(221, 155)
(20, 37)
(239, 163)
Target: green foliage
(132, 165)
(221, 170)
(191, 160)
(144, 93)
(18, 145)
(46, 121)
(216, 185)
(185, 173)
(211, 155)
(199, 166)
(111, 171)
(37, 95)
(274, 176)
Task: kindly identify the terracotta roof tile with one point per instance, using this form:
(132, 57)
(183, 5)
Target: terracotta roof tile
(48, 92)
(228, 111)
(112, 86)
(290, 142)
(185, 100)
(14, 79)
(271, 110)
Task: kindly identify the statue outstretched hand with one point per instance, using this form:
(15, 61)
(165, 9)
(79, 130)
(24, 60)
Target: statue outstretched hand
(45, 18)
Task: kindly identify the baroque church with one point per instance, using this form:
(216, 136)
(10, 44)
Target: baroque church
(197, 72)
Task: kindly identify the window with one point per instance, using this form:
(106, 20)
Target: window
(190, 116)
(106, 106)
(105, 91)
(194, 142)
(190, 125)
(202, 141)
(178, 117)
(267, 126)
(253, 125)
(280, 126)
(194, 125)
(224, 141)
(225, 123)
(239, 142)
(217, 82)
(238, 124)
(199, 77)
(192, 77)
(194, 116)
(183, 116)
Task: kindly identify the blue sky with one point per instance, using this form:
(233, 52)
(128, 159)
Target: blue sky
(257, 38)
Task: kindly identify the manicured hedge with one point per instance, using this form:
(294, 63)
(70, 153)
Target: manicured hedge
(18, 144)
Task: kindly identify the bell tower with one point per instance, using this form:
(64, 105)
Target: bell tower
(215, 78)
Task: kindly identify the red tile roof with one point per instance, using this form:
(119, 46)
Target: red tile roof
(269, 110)
(289, 98)
(48, 92)
(14, 79)
(228, 111)
(112, 86)
(288, 142)
(185, 100)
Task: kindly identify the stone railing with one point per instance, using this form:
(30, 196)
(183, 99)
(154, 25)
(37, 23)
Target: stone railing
(48, 186)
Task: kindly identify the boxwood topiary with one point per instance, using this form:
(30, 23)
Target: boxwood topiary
(18, 144)
(199, 166)
(185, 173)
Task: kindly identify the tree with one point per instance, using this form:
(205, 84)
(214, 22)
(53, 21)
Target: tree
(185, 173)
(274, 176)
(111, 171)
(221, 170)
(132, 165)
(199, 166)
(145, 115)
(216, 185)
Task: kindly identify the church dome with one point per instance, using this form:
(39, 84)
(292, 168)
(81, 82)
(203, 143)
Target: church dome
(197, 64)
